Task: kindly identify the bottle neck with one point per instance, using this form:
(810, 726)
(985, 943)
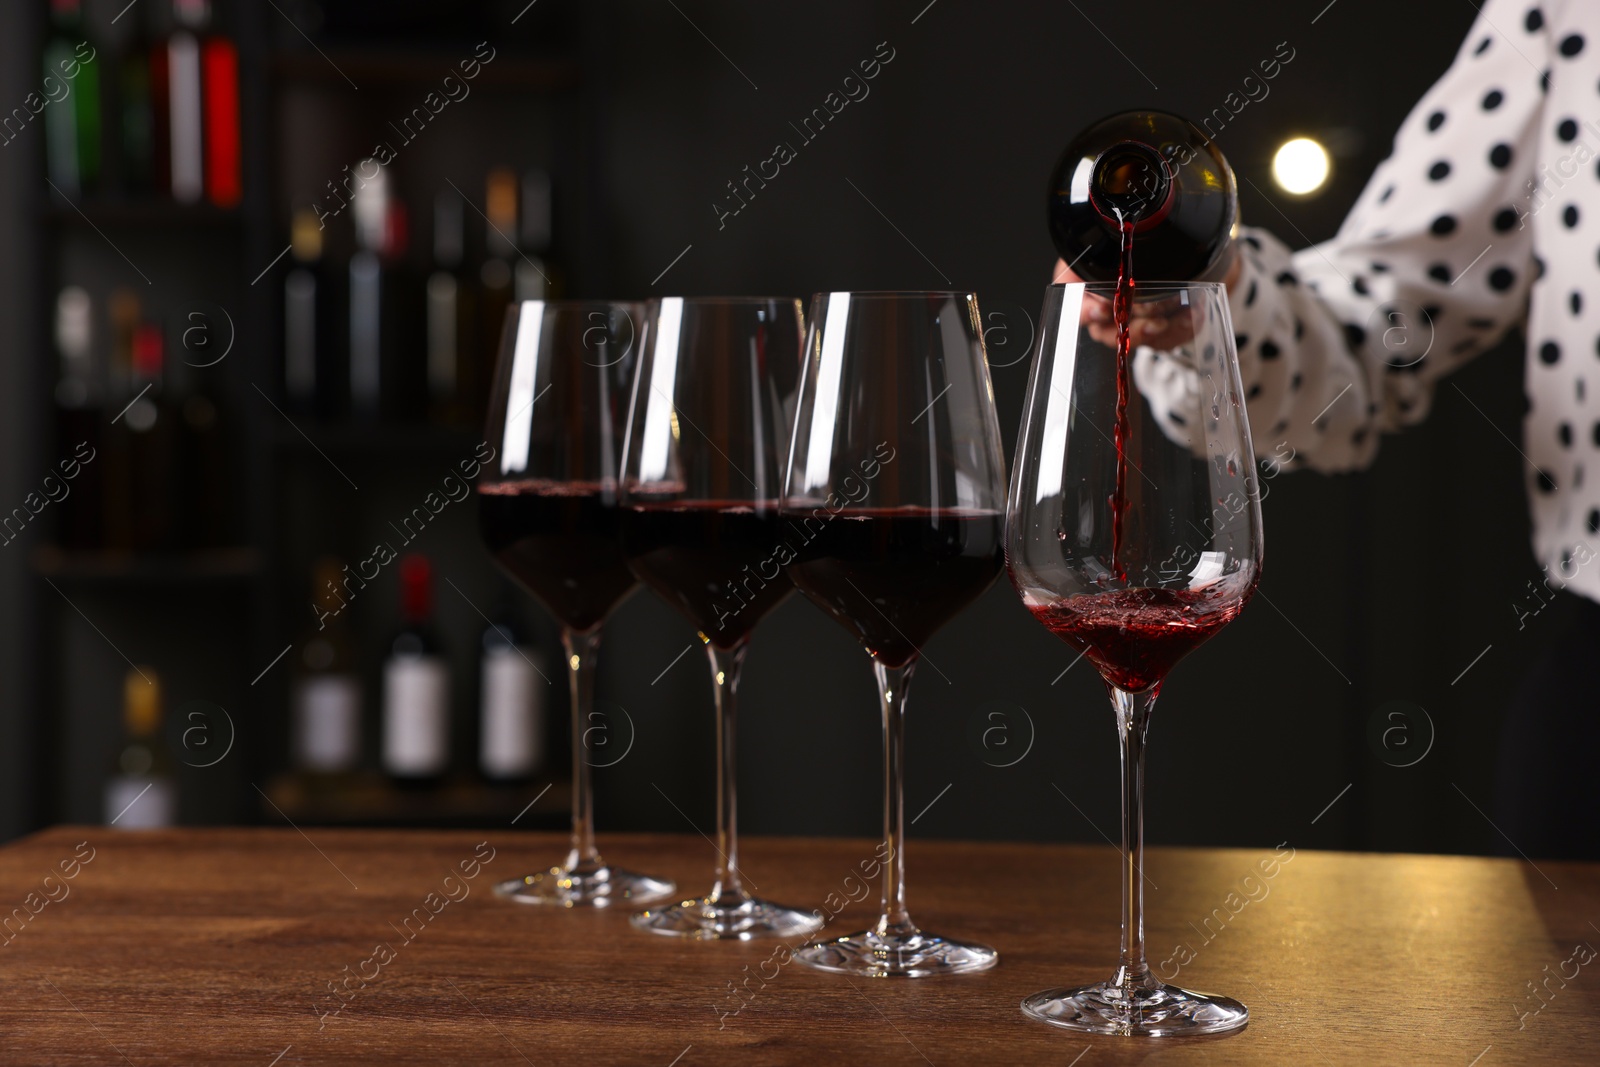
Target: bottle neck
(1131, 186)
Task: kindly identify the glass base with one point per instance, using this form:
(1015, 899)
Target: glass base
(1153, 1011)
(871, 954)
(728, 919)
(586, 887)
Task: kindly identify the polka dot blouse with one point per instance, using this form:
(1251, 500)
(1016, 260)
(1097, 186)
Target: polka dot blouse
(1486, 216)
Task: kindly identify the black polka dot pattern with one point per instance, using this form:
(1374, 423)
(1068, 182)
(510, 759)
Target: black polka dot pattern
(1486, 201)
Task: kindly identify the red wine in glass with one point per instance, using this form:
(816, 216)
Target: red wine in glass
(547, 509)
(562, 541)
(1135, 636)
(1134, 539)
(895, 576)
(700, 526)
(894, 498)
(718, 562)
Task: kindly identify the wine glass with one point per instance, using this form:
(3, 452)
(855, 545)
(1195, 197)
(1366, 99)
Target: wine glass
(704, 464)
(895, 495)
(547, 506)
(1134, 534)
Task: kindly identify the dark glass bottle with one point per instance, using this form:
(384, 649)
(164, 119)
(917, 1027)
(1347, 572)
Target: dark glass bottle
(1159, 176)
(416, 685)
(326, 731)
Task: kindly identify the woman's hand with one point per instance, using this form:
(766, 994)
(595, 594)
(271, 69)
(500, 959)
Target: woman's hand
(1158, 324)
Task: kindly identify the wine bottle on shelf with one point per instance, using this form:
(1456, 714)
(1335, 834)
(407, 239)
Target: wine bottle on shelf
(495, 275)
(72, 124)
(311, 385)
(135, 138)
(1156, 179)
(141, 792)
(416, 685)
(388, 323)
(532, 269)
(511, 722)
(185, 101)
(452, 371)
(219, 69)
(80, 393)
(370, 209)
(326, 724)
(141, 452)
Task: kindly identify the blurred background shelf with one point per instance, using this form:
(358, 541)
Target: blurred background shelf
(376, 441)
(407, 68)
(372, 800)
(237, 565)
(141, 212)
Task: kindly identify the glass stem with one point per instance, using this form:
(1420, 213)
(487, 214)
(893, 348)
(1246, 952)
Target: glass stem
(725, 667)
(582, 653)
(1133, 721)
(892, 683)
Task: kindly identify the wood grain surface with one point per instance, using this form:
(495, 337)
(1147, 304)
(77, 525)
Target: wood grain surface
(219, 946)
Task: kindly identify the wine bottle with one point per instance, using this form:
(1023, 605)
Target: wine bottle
(452, 371)
(219, 64)
(370, 209)
(141, 443)
(388, 323)
(307, 382)
(1157, 176)
(141, 792)
(79, 413)
(416, 684)
(326, 723)
(511, 728)
(136, 135)
(185, 98)
(72, 124)
(495, 275)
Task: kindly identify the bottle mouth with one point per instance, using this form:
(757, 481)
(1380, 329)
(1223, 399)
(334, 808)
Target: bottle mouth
(1131, 186)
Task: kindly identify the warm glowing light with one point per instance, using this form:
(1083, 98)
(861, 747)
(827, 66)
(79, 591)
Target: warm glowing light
(1301, 166)
(574, 662)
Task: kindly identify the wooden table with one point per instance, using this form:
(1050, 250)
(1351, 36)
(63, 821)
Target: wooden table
(219, 946)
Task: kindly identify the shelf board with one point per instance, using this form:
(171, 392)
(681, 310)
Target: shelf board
(141, 212)
(415, 67)
(148, 568)
(369, 799)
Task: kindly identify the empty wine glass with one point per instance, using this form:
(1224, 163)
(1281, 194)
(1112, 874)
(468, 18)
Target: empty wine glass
(895, 493)
(705, 453)
(1134, 534)
(548, 510)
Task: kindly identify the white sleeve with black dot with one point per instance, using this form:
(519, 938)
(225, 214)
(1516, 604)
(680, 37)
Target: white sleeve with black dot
(1347, 339)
